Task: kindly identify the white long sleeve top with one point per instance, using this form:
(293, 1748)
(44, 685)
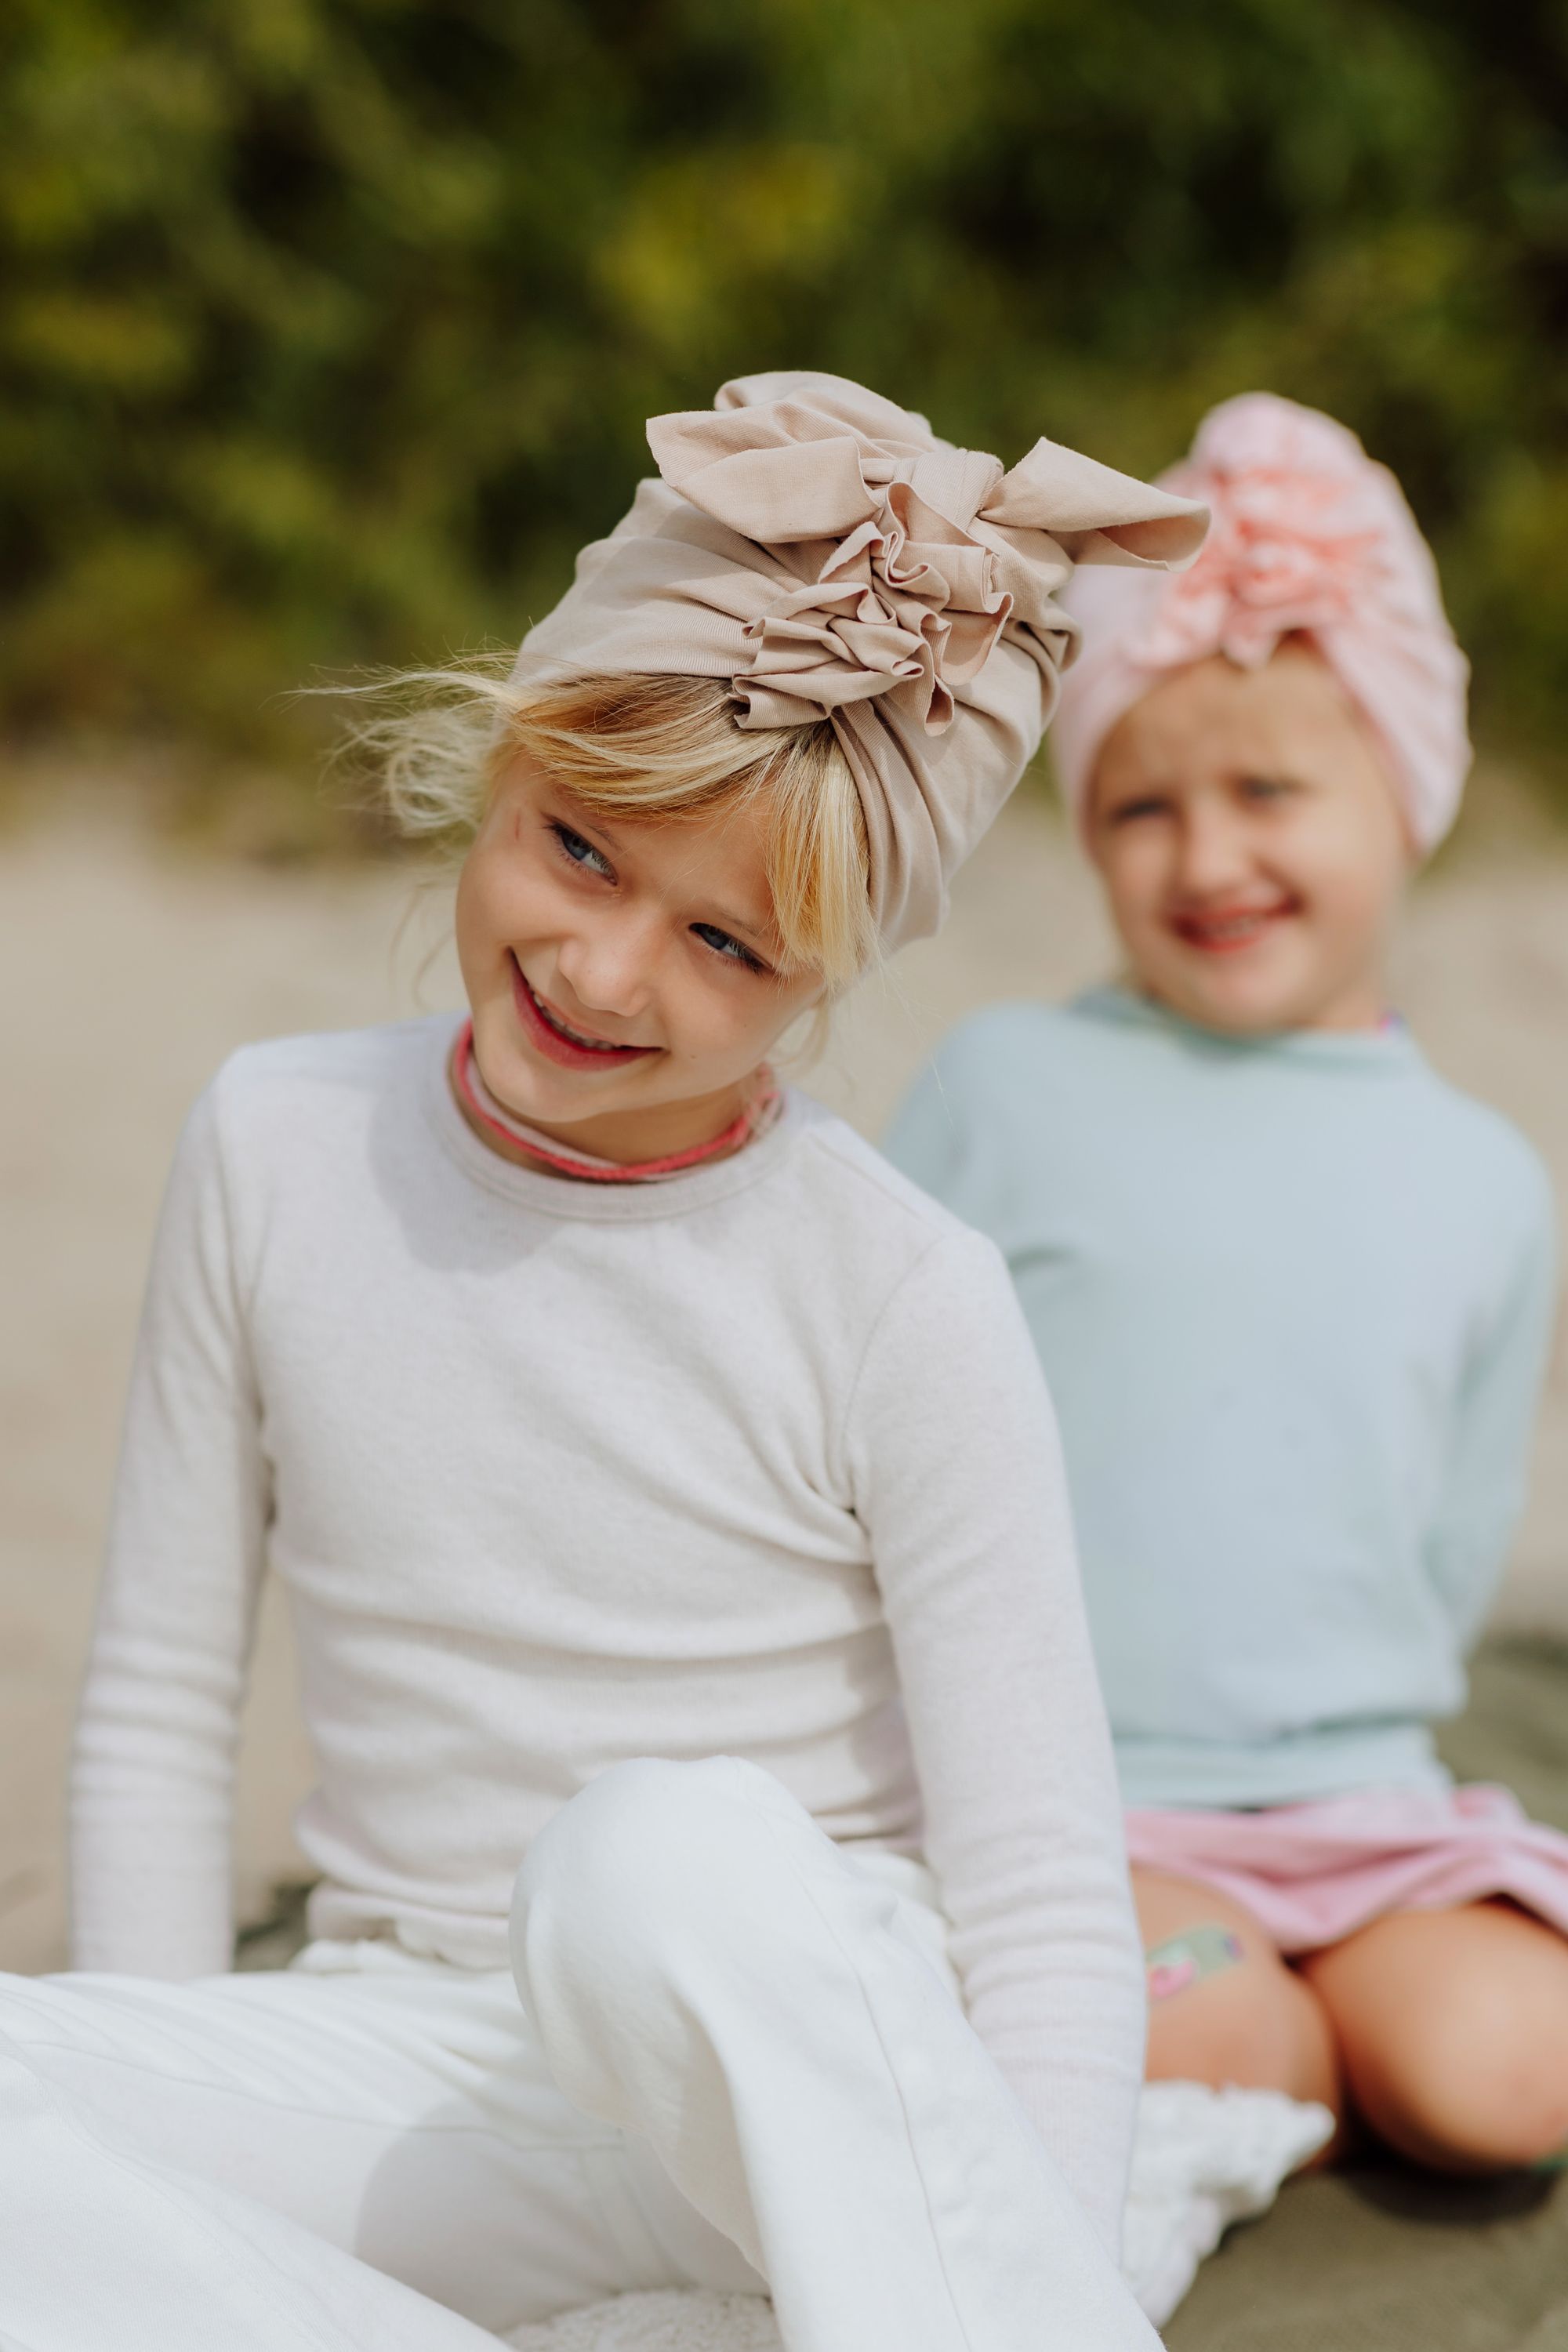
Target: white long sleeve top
(757, 1461)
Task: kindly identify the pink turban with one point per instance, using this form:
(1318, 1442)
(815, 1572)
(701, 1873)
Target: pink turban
(823, 550)
(1308, 535)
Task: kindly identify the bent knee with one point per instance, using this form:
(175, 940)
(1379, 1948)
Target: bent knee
(1224, 2007)
(645, 1846)
(1478, 2084)
(646, 1820)
(1240, 2027)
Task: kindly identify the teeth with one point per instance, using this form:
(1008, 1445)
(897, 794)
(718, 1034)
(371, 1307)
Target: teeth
(1235, 926)
(589, 1045)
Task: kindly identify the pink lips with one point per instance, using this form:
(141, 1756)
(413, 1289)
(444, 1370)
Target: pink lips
(563, 1041)
(1228, 930)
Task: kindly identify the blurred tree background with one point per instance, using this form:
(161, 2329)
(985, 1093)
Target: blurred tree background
(328, 326)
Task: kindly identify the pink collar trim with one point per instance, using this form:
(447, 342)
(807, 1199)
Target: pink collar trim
(482, 1105)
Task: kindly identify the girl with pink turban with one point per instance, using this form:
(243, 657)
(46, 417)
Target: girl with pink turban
(1292, 1295)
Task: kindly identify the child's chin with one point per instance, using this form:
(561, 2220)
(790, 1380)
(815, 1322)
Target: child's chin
(538, 1092)
(1237, 1003)
(557, 1097)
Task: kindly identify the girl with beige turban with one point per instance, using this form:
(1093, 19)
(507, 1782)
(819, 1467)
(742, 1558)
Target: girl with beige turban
(720, 1870)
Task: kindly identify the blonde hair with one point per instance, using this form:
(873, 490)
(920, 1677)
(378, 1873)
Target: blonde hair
(644, 747)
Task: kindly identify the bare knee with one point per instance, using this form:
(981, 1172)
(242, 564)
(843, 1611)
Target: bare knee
(1224, 2007)
(1476, 2087)
(1254, 2030)
(1454, 2029)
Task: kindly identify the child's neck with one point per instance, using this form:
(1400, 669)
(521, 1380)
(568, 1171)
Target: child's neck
(1364, 1006)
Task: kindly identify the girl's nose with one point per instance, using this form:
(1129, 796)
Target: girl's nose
(608, 963)
(1211, 854)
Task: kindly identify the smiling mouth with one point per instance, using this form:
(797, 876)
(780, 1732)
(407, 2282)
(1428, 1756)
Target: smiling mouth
(1236, 928)
(558, 1040)
(576, 1037)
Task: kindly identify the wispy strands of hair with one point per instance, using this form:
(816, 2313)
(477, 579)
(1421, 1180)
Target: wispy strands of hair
(430, 739)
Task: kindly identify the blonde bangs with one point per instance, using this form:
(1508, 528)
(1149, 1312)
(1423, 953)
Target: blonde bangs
(642, 747)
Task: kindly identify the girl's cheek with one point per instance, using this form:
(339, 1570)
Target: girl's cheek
(1328, 867)
(710, 1024)
(732, 1022)
(511, 897)
(1136, 881)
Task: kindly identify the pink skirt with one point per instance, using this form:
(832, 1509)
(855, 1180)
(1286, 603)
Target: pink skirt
(1310, 1875)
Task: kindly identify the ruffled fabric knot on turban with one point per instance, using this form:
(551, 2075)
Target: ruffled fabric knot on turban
(1310, 538)
(825, 552)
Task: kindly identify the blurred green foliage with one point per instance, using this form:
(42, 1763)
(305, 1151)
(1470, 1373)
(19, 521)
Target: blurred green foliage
(328, 326)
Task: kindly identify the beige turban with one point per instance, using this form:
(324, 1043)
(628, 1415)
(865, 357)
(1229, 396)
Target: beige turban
(823, 550)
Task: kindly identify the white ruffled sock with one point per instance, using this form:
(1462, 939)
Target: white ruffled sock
(1202, 2159)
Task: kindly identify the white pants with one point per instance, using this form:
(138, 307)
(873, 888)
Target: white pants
(737, 2058)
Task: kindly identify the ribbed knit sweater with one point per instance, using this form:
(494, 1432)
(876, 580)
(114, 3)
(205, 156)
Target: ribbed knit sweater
(757, 1461)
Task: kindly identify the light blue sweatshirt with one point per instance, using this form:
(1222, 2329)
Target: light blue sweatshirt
(1294, 1298)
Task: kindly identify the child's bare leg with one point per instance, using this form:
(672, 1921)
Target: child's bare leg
(1453, 2030)
(1221, 2015)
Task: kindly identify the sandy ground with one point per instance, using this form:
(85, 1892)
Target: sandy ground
(126, 972)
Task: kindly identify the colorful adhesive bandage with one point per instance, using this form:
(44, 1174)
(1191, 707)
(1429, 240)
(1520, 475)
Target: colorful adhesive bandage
(1185, 1960)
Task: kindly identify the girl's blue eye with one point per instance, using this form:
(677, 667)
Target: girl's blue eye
(1265, 788)
(582, 853)
(1130, 812)
(730, 948)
